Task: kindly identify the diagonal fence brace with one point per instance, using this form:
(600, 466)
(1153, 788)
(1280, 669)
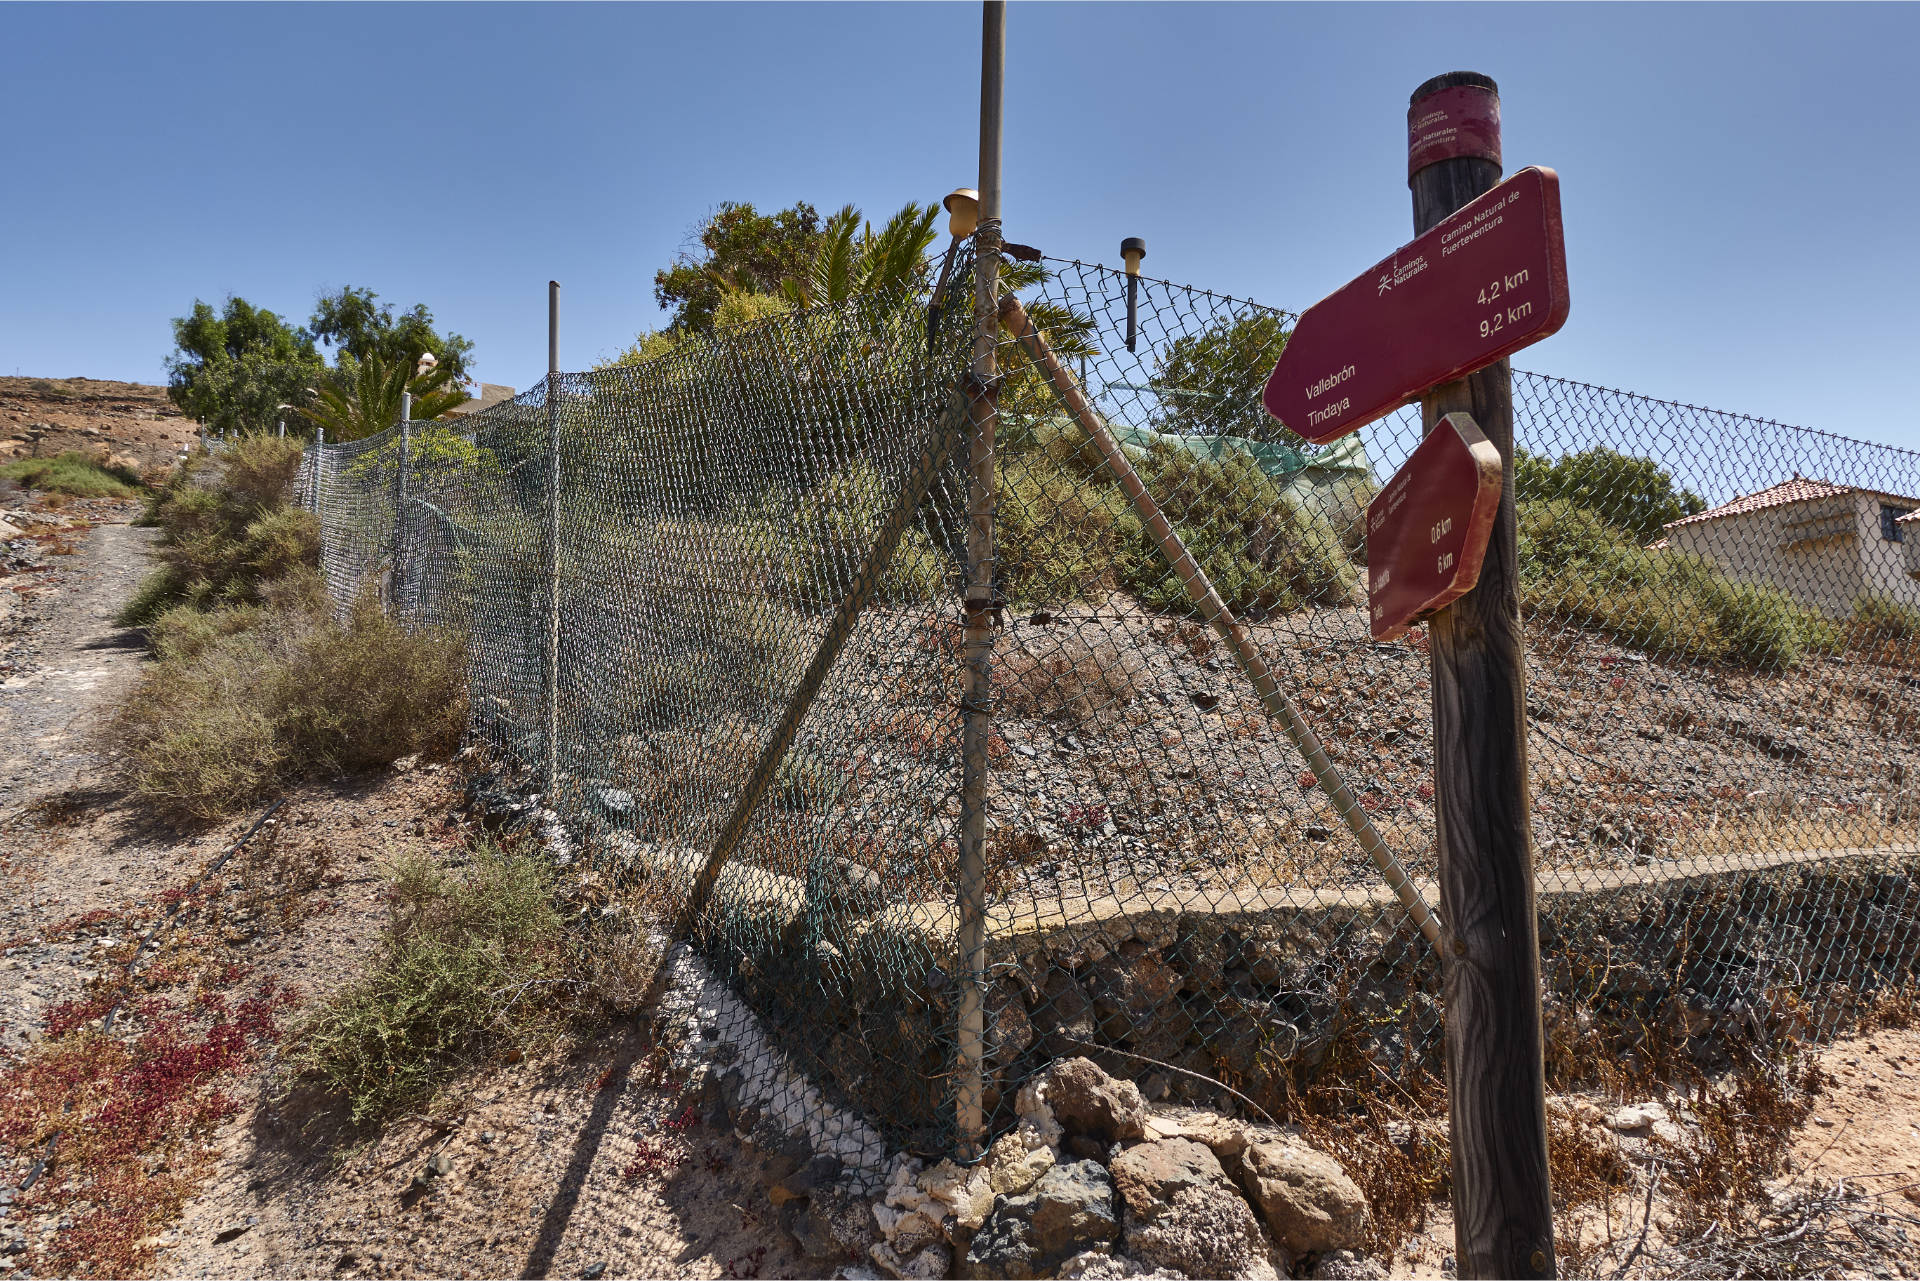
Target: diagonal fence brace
(1221, 619)
(932, 457)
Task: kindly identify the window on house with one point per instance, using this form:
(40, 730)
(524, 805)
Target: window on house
(1890, 521)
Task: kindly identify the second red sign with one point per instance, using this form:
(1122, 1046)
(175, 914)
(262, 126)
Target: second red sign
(1427, 530)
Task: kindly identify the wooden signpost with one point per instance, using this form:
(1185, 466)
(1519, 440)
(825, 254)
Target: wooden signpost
(1484, 276)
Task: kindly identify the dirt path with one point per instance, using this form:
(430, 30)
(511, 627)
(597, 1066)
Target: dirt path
(70, 664)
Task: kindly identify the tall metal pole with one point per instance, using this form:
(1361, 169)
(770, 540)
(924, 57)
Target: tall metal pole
(1502, 1212)
(551, 774)
(399, 501)
(983, 395)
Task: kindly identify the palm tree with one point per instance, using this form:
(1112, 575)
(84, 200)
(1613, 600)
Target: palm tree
(363, 397)
(851, 258)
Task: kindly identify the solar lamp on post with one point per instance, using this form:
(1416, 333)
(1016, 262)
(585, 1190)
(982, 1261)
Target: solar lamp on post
(963, 215)
(1132, 249)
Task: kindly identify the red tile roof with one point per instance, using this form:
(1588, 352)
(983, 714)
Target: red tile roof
(1799, 489)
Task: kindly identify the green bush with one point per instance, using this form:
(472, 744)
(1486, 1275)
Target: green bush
(1261, 549)
(1883, 618)
(1057, 535)
(1577, 569)
(227, 530)
(833, 531)
(465, 971)
(1065, 530)
(73, 473)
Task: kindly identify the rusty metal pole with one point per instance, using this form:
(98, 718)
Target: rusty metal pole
(550, 780)
(982, 412)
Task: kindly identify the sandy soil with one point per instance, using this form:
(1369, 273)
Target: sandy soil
(42, 417)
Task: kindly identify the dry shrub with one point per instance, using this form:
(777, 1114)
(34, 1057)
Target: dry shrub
(227, 530)
(617, 965)
(1062, 675)
(367, 692)
(466, 971)
(244, 699)
(1742, 1130)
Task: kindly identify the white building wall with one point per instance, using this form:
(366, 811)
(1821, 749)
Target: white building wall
(1884, 561)
(1823, 574)
(1844, 561)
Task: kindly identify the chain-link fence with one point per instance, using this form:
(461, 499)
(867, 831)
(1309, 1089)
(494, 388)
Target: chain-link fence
(714, 609)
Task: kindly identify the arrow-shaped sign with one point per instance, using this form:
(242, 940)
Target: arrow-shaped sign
(1481, 284)
(1427, 530)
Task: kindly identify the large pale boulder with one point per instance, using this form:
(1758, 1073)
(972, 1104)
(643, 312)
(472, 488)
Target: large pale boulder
(1307, 1200)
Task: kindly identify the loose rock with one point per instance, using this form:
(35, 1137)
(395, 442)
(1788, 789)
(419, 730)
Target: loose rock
(1085, 1100)
(1308, 1202)
(1183, 1213)
(1070, 1210)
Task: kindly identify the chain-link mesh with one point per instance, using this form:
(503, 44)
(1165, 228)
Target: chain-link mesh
(1722, 654)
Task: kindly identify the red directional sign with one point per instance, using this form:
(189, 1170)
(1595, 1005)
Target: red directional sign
(1427, 530)
(1481, 284)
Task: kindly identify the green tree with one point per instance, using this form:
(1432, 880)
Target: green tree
(1632, 494)
(1211, 382)
(740, 250)
(233, 368)
(357, 323)
(362, 397)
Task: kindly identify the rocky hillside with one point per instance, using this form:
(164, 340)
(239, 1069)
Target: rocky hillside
(42, 417)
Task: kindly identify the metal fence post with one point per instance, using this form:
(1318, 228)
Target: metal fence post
(551, 779)
(982, 412)
(399, 503)
(319, 512)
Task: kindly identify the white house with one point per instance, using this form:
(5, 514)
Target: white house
(1827, 545)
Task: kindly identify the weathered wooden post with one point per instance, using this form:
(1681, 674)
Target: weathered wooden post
(982, 411)
(1503, 1216)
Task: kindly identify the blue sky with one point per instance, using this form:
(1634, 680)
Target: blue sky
(1739, 182)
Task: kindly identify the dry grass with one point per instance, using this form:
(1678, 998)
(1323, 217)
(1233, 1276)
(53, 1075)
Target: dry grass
(1060, 675)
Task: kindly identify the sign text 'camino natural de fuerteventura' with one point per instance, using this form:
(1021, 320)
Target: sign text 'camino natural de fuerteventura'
(1481, 284)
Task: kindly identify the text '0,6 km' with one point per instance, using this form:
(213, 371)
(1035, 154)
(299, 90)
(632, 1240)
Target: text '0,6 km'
(1485, 282)
(1427, 531)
